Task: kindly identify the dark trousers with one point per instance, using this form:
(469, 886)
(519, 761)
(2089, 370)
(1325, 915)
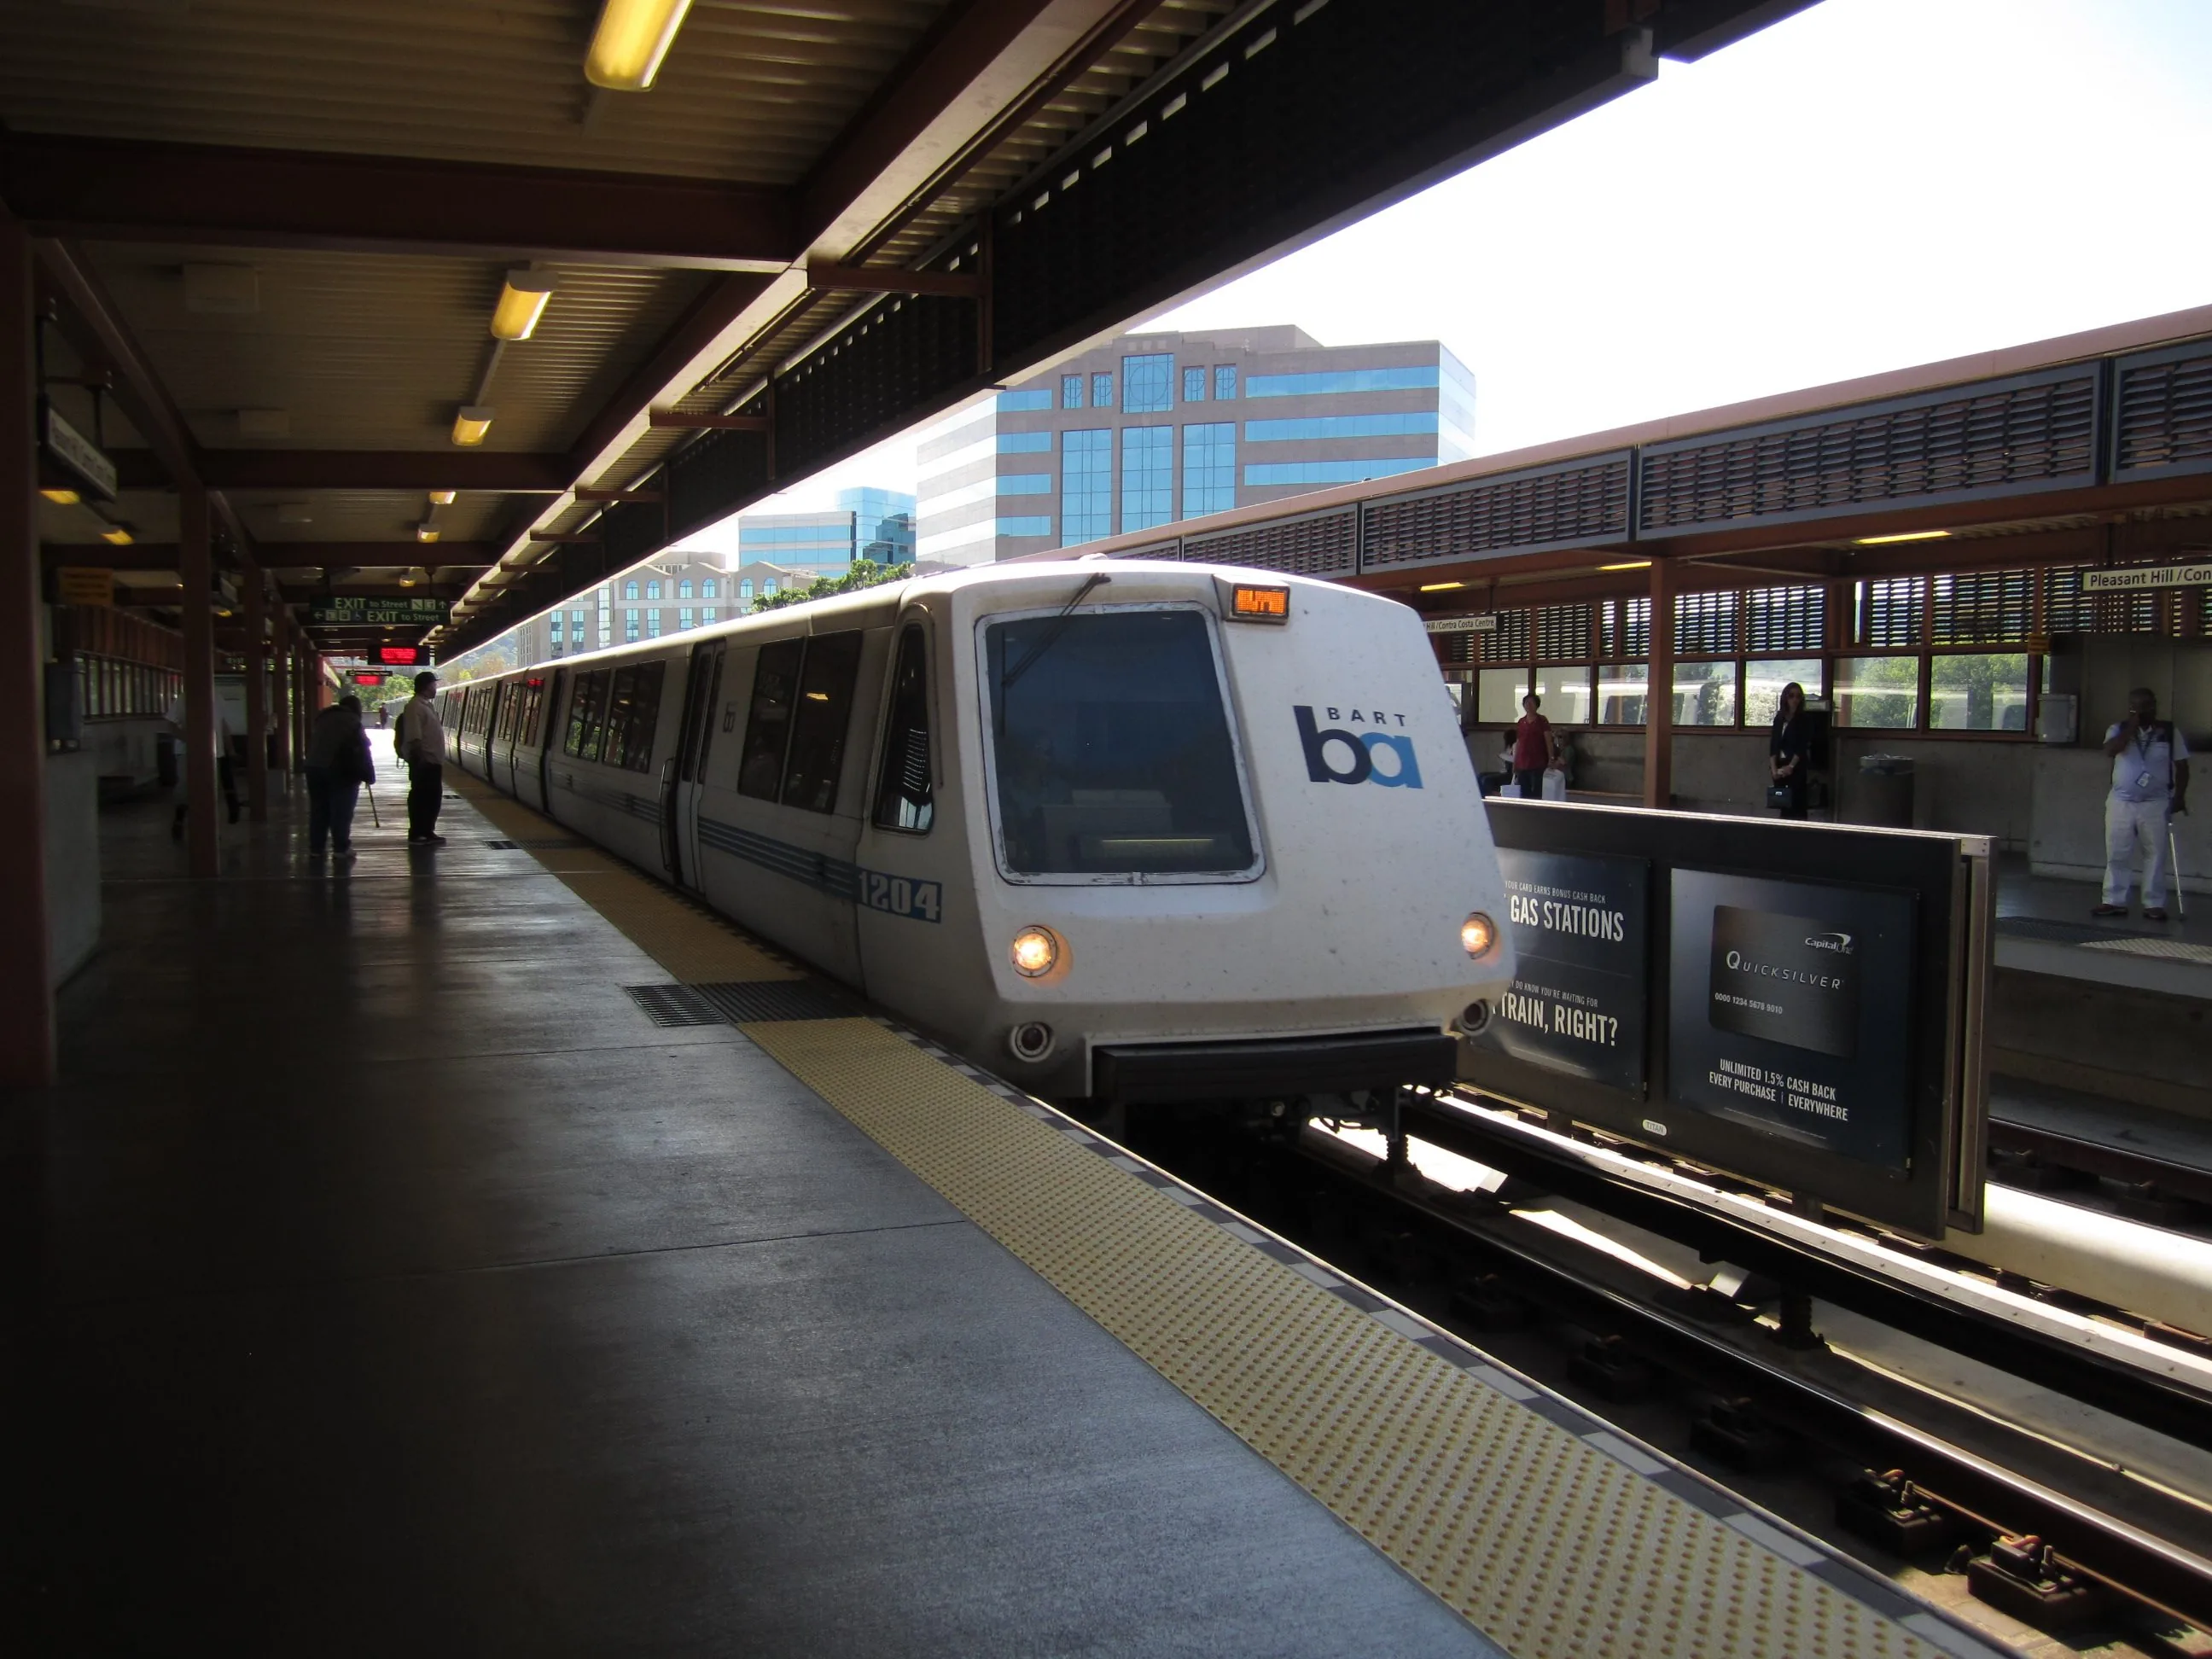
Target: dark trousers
(1531, 779)
(330, 804)
(426, 789)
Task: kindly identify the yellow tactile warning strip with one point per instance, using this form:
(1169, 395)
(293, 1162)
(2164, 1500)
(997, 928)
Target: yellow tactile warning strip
(1556, 1537)
(1549, 1541)
(692, 944)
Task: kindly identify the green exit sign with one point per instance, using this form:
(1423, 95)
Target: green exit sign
(387, 613)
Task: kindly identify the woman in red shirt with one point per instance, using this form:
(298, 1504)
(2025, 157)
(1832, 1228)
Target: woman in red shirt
(1534, 749)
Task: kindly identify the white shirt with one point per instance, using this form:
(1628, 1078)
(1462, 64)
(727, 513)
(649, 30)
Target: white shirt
(2144, 770)
(224, 731)
(419, 724)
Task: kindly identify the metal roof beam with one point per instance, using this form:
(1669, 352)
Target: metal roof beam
(123, 189)
(501, 471)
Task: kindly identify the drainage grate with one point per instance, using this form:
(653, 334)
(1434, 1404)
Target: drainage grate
(788, 999)
(2169, 950)
(505, 846)
(674, 1005)
(2066, 933)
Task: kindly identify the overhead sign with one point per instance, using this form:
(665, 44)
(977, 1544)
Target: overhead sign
(368, 678)
(1791, 1009)
(370, 612)
(80, 454)
(401, 656)
(2135, 578)
(77, 584)
(1486, 623)
(1580, 974)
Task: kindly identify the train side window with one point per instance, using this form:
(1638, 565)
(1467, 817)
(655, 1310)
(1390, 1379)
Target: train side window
(621, 699)
(768, 721)
(644, 715)
(824, 716)
(585, 705)
(904, 797)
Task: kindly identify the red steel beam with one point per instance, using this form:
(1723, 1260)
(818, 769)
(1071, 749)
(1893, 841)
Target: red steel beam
(497, 472)
(128, 190)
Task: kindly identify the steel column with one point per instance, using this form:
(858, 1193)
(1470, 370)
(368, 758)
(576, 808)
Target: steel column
(280, 662)
(196, 565)
(257, 700)
(1659, 690)
(27, 1001)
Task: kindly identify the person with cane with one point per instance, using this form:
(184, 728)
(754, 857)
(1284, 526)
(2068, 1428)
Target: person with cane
(337, 764)
(2150, 783)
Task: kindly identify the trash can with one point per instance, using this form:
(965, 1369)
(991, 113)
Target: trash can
(1885, 792)
(164, 760)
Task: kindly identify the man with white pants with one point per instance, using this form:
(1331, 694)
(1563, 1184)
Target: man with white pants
(2150, 781)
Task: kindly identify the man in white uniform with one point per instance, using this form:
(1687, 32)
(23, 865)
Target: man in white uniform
(420, 737)
(2150, 780)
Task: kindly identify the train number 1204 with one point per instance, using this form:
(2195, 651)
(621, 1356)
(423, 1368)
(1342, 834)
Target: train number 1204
(920, 900)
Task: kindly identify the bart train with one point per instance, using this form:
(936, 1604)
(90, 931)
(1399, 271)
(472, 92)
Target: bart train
(1125, 831)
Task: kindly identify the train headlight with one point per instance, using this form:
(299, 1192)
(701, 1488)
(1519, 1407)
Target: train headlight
(1035, 951)
(1478, 934)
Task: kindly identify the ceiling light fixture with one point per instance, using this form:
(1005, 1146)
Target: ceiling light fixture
(443, 497)
(1907, 536)
(116, 536)
(62, 497)
(471, 422)
(426, 533)
(1631, 564)
(1440, 588)
(521, 303)
(632, 37)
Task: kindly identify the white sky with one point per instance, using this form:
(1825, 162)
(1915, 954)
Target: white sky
(1869, 185)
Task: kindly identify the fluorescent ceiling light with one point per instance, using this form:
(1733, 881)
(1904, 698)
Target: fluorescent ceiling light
(521, 303)
(471, 422)
(116, 536)
(1908, 535)
(443, 497)
(1633, 565)
(631, 39)
(62, 497)
(426, 533)
(1439, 587)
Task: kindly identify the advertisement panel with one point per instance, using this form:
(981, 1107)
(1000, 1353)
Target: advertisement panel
(1790, 1008)
(1580, 928)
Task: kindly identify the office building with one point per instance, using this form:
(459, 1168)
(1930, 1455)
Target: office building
(1150, 428)
(866, 523)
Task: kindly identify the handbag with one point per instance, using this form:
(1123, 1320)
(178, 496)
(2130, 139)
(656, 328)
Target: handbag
(1778, 794)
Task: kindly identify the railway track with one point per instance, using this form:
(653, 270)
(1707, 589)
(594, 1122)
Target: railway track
(1763, 1366)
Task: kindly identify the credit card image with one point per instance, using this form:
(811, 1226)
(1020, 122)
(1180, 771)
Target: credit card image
(1792, 980)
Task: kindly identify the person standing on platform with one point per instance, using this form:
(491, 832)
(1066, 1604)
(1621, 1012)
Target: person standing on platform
(1534, 749)
(337, 763)
(2150, 782)
(1790, 755)
(225, 768)
(420, 737)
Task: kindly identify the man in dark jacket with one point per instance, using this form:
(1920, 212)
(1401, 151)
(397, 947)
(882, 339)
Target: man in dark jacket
(336, 763)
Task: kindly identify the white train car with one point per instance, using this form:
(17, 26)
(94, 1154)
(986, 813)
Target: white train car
(1125, 831)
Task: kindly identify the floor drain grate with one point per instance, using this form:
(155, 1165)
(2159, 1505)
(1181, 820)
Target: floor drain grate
(2066, 933)
(786, 999)
(674, 1005)
(505, 846)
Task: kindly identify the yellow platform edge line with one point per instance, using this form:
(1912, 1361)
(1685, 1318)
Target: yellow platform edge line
(1546, 1545)
(1550, 1547)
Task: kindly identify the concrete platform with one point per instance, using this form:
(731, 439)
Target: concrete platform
(381, 1281)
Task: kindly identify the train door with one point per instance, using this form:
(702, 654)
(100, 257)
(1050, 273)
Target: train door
(548, 724)
(679, 805)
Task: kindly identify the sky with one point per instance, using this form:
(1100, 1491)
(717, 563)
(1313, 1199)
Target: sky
(1870, 184)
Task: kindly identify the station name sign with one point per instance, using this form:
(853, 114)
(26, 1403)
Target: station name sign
(2137, 578)
(1483, 624)
(373, 612)
(80, 455)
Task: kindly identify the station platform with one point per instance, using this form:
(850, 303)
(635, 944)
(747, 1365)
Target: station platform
(484, 1250)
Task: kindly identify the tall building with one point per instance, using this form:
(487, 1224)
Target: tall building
(866, 523)
(1149, 429)
(667, 594)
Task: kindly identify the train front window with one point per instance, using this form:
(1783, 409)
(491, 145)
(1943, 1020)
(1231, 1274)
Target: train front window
(1112, 749)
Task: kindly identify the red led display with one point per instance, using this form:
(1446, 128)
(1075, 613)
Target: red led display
(399, 653)
(368, 679)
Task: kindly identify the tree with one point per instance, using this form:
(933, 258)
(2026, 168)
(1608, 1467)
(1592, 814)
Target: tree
(865, 573)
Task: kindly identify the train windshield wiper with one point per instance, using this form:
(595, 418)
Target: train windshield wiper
(1052, 633)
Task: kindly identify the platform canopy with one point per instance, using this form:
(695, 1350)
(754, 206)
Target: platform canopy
(276, 238)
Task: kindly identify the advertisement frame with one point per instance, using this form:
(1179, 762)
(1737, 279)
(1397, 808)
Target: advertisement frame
(1950, 880)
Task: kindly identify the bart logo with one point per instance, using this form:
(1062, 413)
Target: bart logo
(1360, 752)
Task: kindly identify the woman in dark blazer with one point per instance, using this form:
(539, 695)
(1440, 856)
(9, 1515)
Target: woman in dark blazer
(1788, 753)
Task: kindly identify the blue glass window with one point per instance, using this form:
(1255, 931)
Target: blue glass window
(556, 634)
(745, 589)
(1209, 468)
(1025, 443)
(1225, 382)
(652, 590)
(1341, 379)
(1025, 484)
(683, 616)
(629, 590)
(1086, 487)
(1015, 403)
(710, 589)
(706, 612)
(1102, 391)
(767, 588)
(576, 622)
(683, 589)
(1147, 476)
(653, 624)
(1413, 423)
(1148, 384)
(1071, 392)
(629, 624)
(1330, 472)
(1194, 386)
(1040, 526)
